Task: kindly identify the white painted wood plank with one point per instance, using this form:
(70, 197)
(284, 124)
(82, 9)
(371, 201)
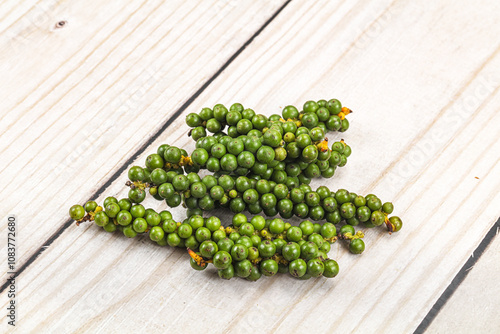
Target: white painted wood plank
(425, 125)
(115, 68)
(480, 296)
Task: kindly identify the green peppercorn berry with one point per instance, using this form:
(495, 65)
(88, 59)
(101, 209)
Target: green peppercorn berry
(244, 126)
(280, 153)
(195, 265)
(228, 163)
(222, 259)
(180, 182)
(312, 198)
(353, 221)
(90, 206)
(124, 204)
(377, 218)
(218, 235)
(154, 161)
(140, 225)
(227, 273)
(193, 120)
(220, 112)
(136, 195)
(272, 138)
(374, 203)
(225, 244)
(256, 239)
(344, 125)
(334, 106)
(255, 274)
(333, 217)
(213, 125)
(258, 222)
(173, 239)
(347, 229)
(328, 230)
(310, 107)
(196, 133)
(280, 191)
(198, 189)
(246, 159)
(259, 122)
(301, 210)
(309, 250)
(246, 229)
(136, 173)
(185, 230)
(388, 208)
(156, 233)
(303, 140)
(243, 268)
(208, 249)
(292, 150)
(317, 134)
(356, 246)
(266, 248)
(245, 241)
(310, 153)
(310, 120)
(331, 268)
(233, 117)
(239, 252)
(290, 112)
(101, 218)
(316, 213)
(110, 227)
(108, 200)
(317, 239)
(124, 218)
(137, 211)
(196, 221)
(396, 222)
(297, 195)
(291, 251)
(269, 267)
(173, 155)
(363, 213)
(76, 212)
(359, 201)
(213, 165)
(213, 223)
(289, 137)
(325, 247)
(297, 268)
(279, 243)
(206, 114)
(329, 204)
(202, 234)
(323, 114)
(342, 196)
(347, 210)
(294, 233)
(129, 232)
(315, 267)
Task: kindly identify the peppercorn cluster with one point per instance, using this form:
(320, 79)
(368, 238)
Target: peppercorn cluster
(255, 164)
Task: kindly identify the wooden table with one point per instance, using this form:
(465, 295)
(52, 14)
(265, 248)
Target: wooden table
(90, 88)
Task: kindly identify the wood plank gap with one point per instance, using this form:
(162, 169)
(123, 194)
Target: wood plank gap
(458, 279)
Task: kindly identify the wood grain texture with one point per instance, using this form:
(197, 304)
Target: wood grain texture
(479, 295)
(422, 80)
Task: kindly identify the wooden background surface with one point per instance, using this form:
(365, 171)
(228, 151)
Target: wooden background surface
(83, 102)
